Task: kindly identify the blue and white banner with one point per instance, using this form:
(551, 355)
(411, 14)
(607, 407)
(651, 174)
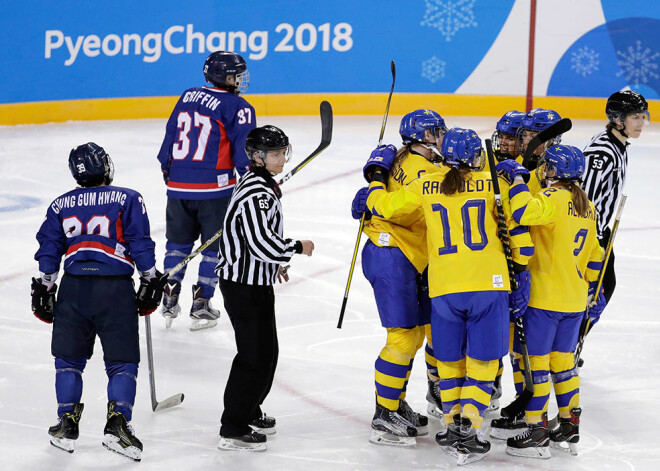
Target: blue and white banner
(89, 49)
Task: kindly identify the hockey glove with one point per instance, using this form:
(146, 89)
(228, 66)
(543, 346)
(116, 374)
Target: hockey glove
(43, 300)
(359, 206)
(381, 158)
(519, 298)
(596, 304)
(509, 169)
(150, 293)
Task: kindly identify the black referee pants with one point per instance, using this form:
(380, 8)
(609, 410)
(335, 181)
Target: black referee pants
(609, 279)
(251, 310)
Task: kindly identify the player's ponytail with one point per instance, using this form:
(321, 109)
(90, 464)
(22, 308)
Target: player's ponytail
(455, 180)
(398, 158)
(579, 197)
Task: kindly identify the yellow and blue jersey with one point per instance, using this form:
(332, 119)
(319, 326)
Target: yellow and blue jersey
(464, 251)
(405, 231)
(567, 253)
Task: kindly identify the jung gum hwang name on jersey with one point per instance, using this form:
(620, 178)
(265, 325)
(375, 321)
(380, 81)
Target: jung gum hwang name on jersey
(178, 39)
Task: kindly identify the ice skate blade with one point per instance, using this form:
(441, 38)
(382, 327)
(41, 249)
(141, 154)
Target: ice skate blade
(451, 451)
(112, 443)
(65, 444)
(378, 437)
(565, 447)
(265, 431)
(234, 444)
(432, 410)
(503, 433)
(201, 324)
(467, 458)
(168, 322)
(540, 452)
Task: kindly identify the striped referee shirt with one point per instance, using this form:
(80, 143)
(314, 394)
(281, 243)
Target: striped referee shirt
(252, 247)
(605, 174)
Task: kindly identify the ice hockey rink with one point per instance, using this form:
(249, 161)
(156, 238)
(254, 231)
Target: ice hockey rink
(323, 395)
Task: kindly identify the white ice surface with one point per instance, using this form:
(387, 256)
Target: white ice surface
(323, 395)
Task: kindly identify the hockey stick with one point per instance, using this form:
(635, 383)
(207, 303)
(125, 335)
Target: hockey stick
(362, 219)
(326, 138)
(586, 325)
(554, 130)
(520, 403)
(170, 401)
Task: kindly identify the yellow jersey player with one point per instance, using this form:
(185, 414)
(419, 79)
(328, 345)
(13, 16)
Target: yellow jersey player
(394, 260)
(506, 145)
(468, 282)
(567, 258)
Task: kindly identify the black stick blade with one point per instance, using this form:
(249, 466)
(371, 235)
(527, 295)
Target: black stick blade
(518, 405)
(560, 127)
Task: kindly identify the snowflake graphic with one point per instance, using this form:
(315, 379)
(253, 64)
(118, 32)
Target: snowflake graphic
(449, 16)
(433, 69)
(638, 64)
(584, 61)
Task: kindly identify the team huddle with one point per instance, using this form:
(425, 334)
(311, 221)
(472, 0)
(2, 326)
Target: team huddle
(476, 259)
(480, 262)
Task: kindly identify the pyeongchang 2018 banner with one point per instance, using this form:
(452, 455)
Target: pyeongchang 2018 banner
(72, 50)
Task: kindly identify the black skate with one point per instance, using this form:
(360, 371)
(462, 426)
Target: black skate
(532, 443)
(448, 440)
(264, 424)
(567, 434)
(203, 316)
(65, 432)
(471, 447)
(418, 420)
(119, 435)
(504, 427)
(390, 428)
(253, 441)
(171, 308)
(434, 406)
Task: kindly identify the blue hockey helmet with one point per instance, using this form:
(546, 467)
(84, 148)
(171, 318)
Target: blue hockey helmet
(539, 119)
(510, 122)
(91, 166)
(504, 138)
(463, 147)
(566, 161)
(415, 123)
(227, 70)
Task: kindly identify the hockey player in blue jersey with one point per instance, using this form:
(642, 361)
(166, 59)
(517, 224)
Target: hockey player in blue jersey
(102, 232)
(203, 144)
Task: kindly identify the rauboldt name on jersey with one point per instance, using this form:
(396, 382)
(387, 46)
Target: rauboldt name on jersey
(88, 199)
(471, 186)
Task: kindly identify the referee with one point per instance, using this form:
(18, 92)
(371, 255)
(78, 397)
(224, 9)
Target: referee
(606, 162)
(252, 255)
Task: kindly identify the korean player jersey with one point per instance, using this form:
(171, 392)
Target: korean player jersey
(102, 230)
(567, 253)
(204, 141)
(465, 253)
(405, 231)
